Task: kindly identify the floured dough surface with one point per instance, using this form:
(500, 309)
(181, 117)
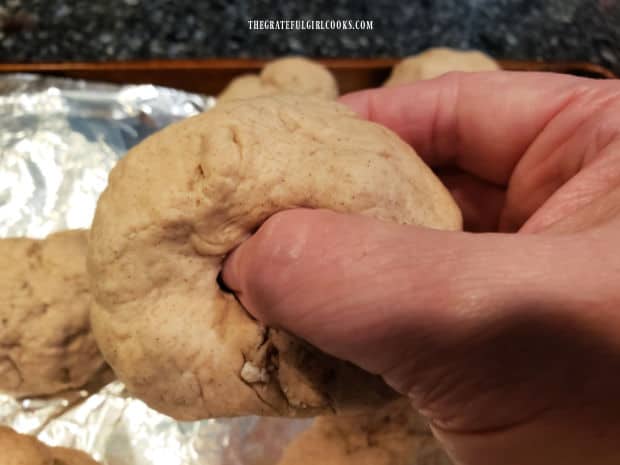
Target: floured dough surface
(294, 75)
(22, 449)
(185, 197)
(389, 436)
(46, 345)
(437, 61)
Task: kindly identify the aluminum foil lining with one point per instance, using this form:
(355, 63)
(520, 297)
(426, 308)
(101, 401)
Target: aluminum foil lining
(59, 138)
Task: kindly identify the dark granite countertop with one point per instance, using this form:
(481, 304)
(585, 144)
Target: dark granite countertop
(66, 30)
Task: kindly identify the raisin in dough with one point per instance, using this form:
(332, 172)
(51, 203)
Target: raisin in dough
(293, 75)
(45, 341)
(437, 61)
(22, 449)
(389, 436)
(189, 194)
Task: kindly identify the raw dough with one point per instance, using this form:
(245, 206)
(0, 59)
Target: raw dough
(437, 61)
(390, 436)
(184, 198)
(45, 341)
(22, 449)
(293, 75)
(66, 456)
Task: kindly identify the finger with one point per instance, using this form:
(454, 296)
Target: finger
(600, 211)
(349, 284)
(480, 201)
(573, 163)
(481, 122)
(440, 315)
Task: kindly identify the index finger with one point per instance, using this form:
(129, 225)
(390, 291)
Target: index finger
(481, 122)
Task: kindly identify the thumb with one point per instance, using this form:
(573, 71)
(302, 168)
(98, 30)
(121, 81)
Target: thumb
(411, 304)
(494, 337)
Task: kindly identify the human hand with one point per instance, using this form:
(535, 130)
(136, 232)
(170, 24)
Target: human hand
(509, 340)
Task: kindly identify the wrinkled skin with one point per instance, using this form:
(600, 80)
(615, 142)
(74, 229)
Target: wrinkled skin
(507, 339)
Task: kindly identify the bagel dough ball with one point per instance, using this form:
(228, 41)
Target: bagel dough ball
(22, 449)
(46, 345)
(294, 75)
(388, 436)
(437, 61)
(189, 194)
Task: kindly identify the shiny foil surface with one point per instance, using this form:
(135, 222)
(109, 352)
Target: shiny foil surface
(59, 138)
